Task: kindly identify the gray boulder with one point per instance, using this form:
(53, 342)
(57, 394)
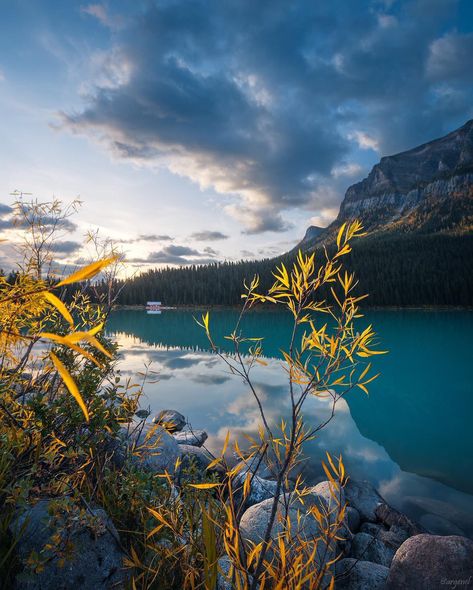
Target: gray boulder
(198, 457)
(360, 575)
(331, 493)
(172, 420)
(393, 538)
(154, 448)
(352, 519)
(94, 563)
(260, 489)
(225, 579)
(363, 496)
(368, 548)
(194, 438)
(428, 562)
(255, 520)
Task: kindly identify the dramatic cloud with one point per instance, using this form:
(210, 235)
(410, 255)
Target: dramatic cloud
(5, 210)
(273, 103)
(208, 236)
(178, 255)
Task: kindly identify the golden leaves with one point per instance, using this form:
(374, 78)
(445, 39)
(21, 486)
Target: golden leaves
(70, 384)
(88, 272)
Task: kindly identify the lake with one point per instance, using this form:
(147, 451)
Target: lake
(411, 436)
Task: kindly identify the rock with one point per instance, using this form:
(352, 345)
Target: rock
(331, 493)
(363, 496)
(155, 449)
(198, 457)
(368, 548)
(393, 518)
(172, 420)
(255, 520)
(392, 538)
(438, 525)
(360, 575)
(194, 438)
(224, 577)
(260, 489)
(427, 562)
(94, 563)
(256, 466)
(352, 519)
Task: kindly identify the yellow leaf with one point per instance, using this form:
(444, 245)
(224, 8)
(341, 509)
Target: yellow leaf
(204, 486)
(70, 384)
(59, 305)
(88, 272)
(340, 234)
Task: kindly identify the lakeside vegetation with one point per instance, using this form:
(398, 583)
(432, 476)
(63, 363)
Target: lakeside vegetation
(73, 441)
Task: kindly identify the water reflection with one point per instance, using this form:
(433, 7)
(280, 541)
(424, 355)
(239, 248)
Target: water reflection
(408, 437)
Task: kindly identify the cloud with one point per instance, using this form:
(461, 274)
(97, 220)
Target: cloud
(146, 238)
(178, 255)
(266, 104)
(208, 236)
(5, 210)
(65, 246)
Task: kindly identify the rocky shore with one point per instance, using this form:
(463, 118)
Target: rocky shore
(381, 548)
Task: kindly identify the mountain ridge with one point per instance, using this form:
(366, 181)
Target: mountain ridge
(426, 189)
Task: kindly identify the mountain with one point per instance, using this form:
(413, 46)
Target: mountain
(427, 190)
(417, 207)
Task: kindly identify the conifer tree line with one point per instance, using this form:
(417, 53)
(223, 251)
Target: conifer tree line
(399, 270)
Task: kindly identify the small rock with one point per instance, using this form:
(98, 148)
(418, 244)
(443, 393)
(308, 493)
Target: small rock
(363, 496)
(372, 529)
(95, 561)
(194, 438)
(225, 579)
(172, 420)
(255, 465)
(393, 538)
(427, 562)
(368, 548)
(438, 525)
(360, 575)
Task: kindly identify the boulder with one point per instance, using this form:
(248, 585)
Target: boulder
(360, 575)
(198, 457)
(154, 448)
(427, 562)
(392, 538)
(255, 465)
(352, 519)
(94, 560)
(172, 420)
(194, 438)
(226, 576)
(363, 496)
(255, 520)
(368, 548)
(332, 494)
(260, 489)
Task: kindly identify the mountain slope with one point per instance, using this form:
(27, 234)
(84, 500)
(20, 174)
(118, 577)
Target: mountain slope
(427, 189)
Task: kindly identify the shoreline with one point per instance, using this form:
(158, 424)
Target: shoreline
(138, 307)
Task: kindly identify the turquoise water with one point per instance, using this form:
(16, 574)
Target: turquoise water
(411, 436)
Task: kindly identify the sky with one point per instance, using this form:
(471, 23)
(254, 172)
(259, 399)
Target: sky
(202, 130)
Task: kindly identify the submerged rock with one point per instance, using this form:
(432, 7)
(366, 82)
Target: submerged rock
(438, 525)
(172, 420)
(194, 438)
(94, 560)
(360, 575)
(427, 562)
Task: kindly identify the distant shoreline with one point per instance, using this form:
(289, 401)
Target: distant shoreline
(275, 308)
